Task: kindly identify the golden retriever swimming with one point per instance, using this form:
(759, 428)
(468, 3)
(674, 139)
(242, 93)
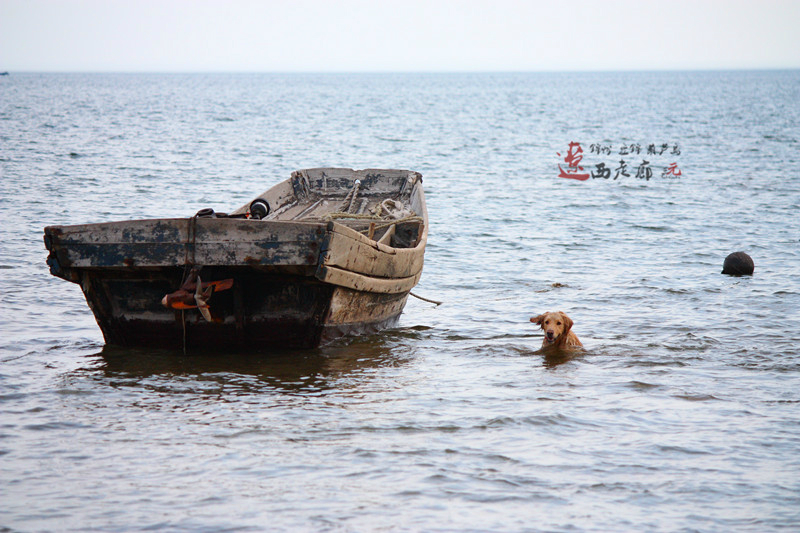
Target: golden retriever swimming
(557, 328)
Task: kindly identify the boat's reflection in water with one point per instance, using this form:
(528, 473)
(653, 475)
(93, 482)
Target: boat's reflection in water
(337, 365)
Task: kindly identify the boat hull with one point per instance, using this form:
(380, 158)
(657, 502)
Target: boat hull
(290, 281)
(263, 311)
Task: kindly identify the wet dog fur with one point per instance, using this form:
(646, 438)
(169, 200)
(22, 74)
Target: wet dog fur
(557, 327)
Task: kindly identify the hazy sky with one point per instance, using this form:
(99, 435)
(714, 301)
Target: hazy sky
(397, 35)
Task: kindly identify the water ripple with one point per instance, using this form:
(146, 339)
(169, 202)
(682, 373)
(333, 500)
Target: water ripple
(679, 415)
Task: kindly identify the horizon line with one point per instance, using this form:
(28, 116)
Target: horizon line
(403, 71)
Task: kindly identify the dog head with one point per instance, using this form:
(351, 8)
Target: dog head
(555, 326)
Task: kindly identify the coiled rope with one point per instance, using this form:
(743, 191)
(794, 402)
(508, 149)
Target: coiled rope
(372, 218)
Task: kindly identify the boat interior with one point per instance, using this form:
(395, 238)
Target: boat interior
(381, 204)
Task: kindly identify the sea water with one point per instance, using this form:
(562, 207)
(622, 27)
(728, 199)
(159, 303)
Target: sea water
(682, 413)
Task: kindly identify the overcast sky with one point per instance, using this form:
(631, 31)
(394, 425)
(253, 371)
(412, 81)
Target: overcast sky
(397, 35)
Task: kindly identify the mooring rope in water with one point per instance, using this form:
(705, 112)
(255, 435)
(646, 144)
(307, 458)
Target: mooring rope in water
(183, 321)
(425, 299)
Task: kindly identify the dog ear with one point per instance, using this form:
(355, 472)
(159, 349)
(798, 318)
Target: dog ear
(567, 322)
(537, 319)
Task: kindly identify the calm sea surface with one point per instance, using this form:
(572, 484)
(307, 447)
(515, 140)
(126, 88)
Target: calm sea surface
(683, 413)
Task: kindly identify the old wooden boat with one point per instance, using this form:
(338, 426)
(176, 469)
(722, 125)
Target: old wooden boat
(326, 253)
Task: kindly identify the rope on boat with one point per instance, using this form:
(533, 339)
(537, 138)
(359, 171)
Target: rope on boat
(191, 243)
(356, 186)
(388, 211)
(350, 199)
(355, 216)
(372, 218)
(188, 263)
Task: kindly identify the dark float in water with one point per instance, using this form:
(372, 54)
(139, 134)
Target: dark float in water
(325, 253)
(738, 264)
